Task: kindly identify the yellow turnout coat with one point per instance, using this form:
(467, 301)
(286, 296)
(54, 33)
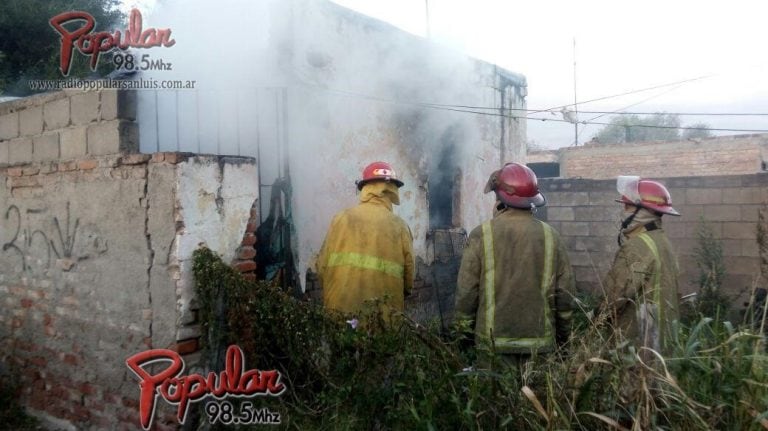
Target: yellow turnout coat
(367, 253)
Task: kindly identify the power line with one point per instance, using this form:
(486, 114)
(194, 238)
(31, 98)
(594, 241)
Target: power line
(550, 110)
(685, 81)
(633, 104)
(459, 108)
(682, 114)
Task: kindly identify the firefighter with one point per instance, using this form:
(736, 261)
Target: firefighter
(642, 283)
(368, 250)
(515, 281)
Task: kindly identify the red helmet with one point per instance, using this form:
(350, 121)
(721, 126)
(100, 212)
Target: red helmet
(516, 186)
(378, 171)
(647, 194)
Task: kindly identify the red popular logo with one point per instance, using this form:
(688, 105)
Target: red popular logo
(94, 44)
(182, 390)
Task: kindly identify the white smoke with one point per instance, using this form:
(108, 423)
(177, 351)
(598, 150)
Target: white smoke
(331, 91)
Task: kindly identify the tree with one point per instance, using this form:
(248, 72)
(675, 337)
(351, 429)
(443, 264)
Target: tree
(29, 46)
(635, 128)
(696, 131)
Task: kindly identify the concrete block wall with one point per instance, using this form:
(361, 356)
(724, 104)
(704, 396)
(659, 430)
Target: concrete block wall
(721, 155)
(585, 214)
(67, 125)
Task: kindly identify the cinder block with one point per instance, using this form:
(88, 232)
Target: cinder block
(703, 196)
(746, 195)
(722, 181)
(45, 147)
(56, 114)
(674, 230)
(111, 137)
(31, 121)
(566, 199)
(560, 214)
(722, 213)
(602, 198)
(731, 247)
(575, 229)
(9, 126)
(84, 107)
(118, 104)
(579, 258)
(604, 229)
(4, 154)
(739, 265)
(752, 212)
(586, 274)
(20, 150)
(556, 225)
(758, 180)
(73, 143)
(596, 213)
(742, 230)
(750, 249)
(685, 247)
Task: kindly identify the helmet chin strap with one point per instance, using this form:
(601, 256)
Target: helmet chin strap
(625, 224)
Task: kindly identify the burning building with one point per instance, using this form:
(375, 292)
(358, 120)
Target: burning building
(314, 92)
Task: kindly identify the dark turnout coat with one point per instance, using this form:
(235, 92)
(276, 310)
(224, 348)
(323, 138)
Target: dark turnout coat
(516, 283)
(642, 288)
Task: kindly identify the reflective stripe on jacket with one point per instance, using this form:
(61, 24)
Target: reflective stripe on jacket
(643, 289)
(515, 282)
(367, 253)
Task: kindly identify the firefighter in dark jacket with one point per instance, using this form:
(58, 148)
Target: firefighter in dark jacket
(515, 282)
(642, 284)
(368, 251)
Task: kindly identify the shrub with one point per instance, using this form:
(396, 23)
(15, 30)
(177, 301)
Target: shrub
(402, 375)
(710, 300)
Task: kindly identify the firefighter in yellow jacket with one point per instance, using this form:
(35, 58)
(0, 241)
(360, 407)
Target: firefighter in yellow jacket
(368, 251)
(515, 282)
(642, 283)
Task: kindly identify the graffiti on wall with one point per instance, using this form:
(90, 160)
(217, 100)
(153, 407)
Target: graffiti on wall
(38, 240)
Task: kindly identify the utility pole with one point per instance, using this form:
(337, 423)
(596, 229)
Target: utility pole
(426, 6)
(575, 100)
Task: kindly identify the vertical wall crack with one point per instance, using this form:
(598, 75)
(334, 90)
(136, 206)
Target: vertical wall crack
(150, 249)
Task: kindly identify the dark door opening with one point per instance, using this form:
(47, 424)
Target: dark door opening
(443, 182)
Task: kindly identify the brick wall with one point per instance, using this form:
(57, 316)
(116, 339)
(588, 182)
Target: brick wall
(245, 256)
(76, 282)
(724, 155)
(95, 253)
(585, 214)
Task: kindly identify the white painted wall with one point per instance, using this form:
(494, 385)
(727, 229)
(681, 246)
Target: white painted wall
(359, 98)
(214, 198)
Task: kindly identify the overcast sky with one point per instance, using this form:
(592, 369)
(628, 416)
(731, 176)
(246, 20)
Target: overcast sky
(621, 46)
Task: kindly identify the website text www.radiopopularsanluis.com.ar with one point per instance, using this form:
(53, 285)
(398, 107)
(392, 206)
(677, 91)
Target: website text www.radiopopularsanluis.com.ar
(114, 84)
